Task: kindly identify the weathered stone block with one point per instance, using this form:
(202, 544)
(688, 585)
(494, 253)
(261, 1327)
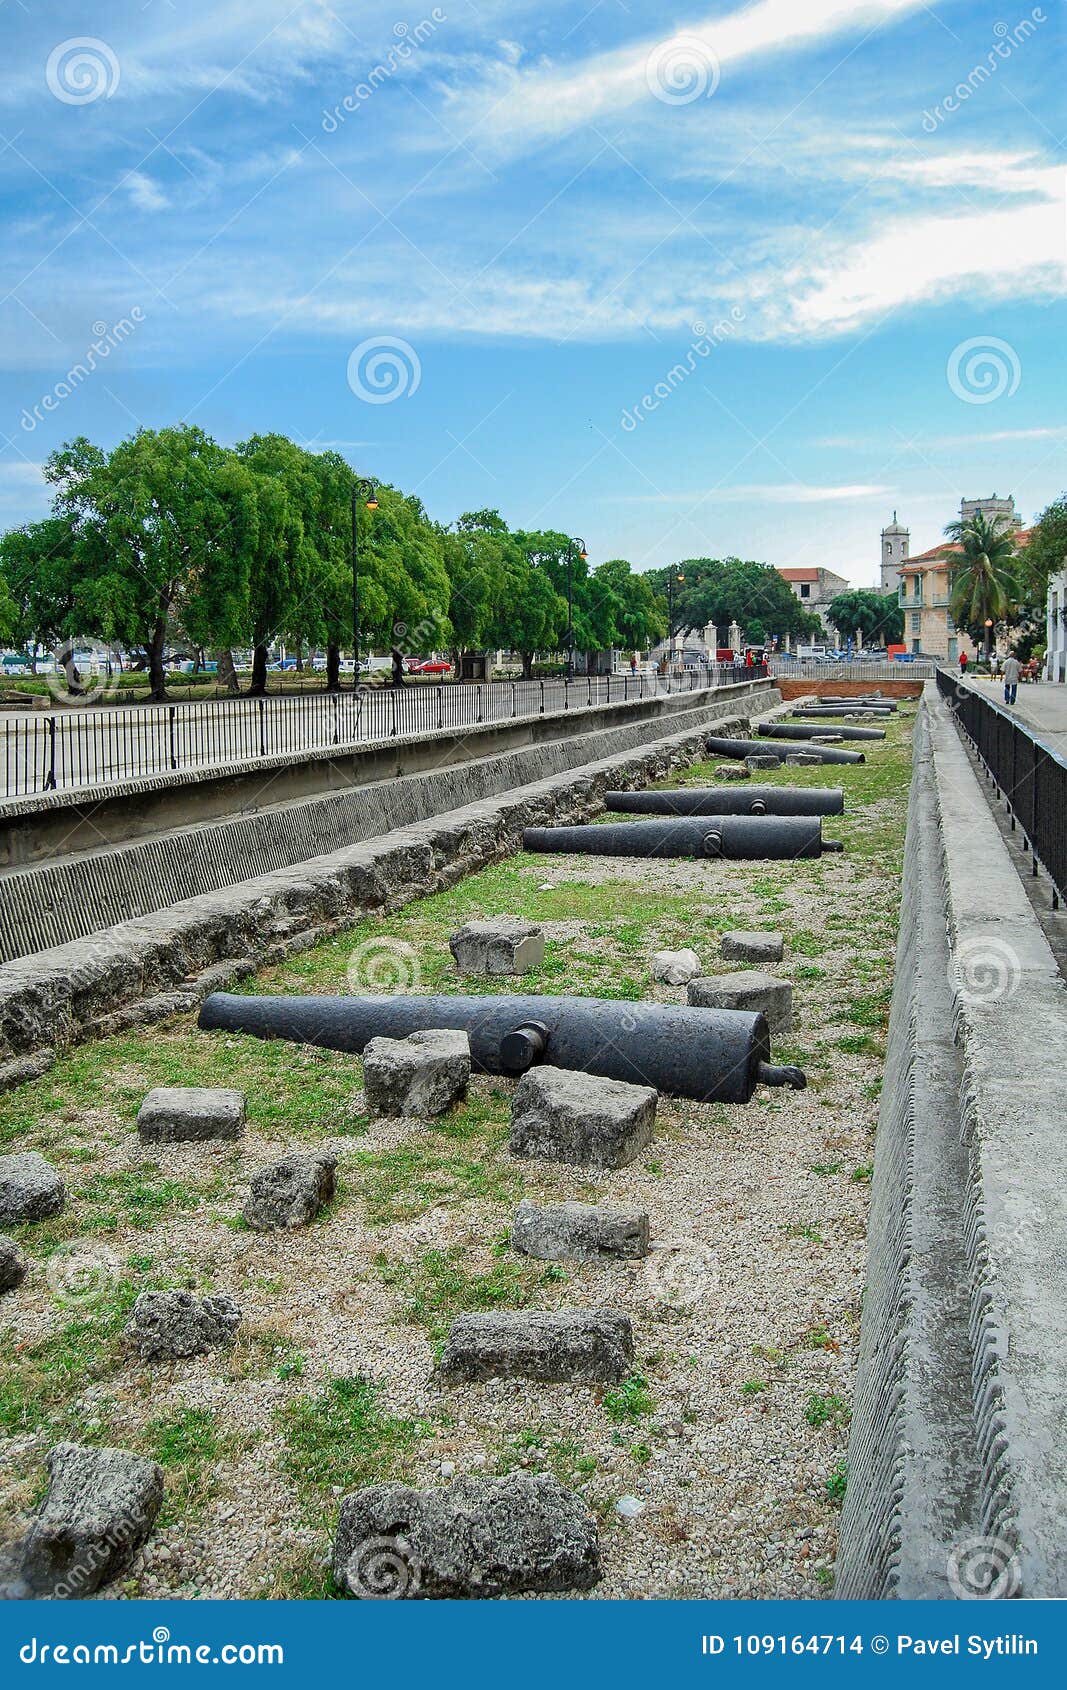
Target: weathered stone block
(674, 968)
(478, 1537)
(803, 759)
(30, 1189)
(752, 947)
(763, 760)
(576, 1346)
(761, 994)
(731, 771)
(100, 1507)
(419, 1076)
(827, 739)
(12, 1265)
(291, 1192)
(175, 1114)
(565, 1116)
(501, 945)
(172, 1325)
(579, 1232)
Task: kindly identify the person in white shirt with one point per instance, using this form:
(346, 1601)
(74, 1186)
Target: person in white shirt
(1011, 679)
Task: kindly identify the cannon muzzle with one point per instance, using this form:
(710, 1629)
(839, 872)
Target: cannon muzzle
(734, 838)
(808, 730)
(711, 1055)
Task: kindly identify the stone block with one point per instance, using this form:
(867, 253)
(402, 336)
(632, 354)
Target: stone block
(12, 1265)
(173, 1325)
(731, 771)
(579, 1232)
(502, 945)
(752, 947)
(761, 994)
(100, 1507)
(177, 1114)
(763, 760)
(477, 1537)
(419, 1076)
(574, 1117)
(674, 968)
(30, 1189)
(827, 739)
(803, 759)
(291, 1192)
(557, 1346)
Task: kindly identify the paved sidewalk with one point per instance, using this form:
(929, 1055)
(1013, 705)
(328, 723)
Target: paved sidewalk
(1042, 705)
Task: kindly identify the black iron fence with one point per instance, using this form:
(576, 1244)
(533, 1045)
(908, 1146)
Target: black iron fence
(1029, 773)
(53, 750)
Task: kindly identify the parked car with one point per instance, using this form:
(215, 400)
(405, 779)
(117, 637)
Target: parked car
(429, 666)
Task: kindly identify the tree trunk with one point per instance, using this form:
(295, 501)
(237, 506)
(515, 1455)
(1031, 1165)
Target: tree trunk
(157, 679)
(70, 670)
(300, 657)
(527, 665)
(333, 668)
(258, 688)
(227, 671)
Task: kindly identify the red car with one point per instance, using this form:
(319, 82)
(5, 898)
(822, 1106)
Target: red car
(429, 666)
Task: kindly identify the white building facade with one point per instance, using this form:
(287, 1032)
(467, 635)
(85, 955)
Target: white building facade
(1056, 628)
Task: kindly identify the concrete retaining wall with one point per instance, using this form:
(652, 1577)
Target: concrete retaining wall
(149, 967)
(957, 1463)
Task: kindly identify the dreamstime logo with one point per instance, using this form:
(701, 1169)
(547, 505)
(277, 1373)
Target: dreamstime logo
(984, 1569)
(985, 971)
(702, 345)
(382, 1569)
(681, 1273)
(407, 39)
(1007, 39)
(383, 965)
(106, 337)
(80, 1272)
(72, 683)
(682, 70)
(82, 70)
(982, 369)
(384, 368)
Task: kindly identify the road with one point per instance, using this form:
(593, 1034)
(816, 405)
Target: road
(1040, 705)
(67, 749)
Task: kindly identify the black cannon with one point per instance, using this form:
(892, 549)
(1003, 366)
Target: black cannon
(863, 712)
(782, 748)
(741, 800)
(713, 1055)
(807, 730)
(731, 837)
(870, 700)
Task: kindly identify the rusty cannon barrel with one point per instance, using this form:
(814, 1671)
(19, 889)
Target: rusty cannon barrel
(712, 1055)
(735, 838)
(869, 700)
(808, 730)
(741, 800)
(782, 748)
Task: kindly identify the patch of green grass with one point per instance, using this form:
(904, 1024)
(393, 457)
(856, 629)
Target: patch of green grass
(538, 1449)
(753, 1387)
(809, 971)
(863, 1175)
(38, 1380)
(632, 1401)
(858, 1044)
(641, 1453)
(186, 1445)
(437, 1287)
(340, 1438)
(825, 1577)
(826, 1168)
(402, 1183)
(837, 1482)
(802, 1230)
(826, 1410)
(820, 1338)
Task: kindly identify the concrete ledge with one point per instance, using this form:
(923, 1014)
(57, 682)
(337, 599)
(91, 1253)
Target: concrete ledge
(961, 1394)
(145, 969)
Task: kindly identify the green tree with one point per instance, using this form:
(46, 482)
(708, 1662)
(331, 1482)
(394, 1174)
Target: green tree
(982, 576)
(38, 576)
(166, 524)
(861, 610)
(281, 564)
(636, 617)
(478, 558)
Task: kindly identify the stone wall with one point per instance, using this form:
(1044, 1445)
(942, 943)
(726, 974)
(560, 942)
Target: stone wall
(957, 1466)
(148, 967)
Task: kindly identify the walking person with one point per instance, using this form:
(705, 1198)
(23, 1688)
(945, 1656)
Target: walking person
(1012, 670)
(963, 662)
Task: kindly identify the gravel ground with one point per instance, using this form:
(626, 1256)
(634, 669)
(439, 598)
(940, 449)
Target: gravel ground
(731, 1437)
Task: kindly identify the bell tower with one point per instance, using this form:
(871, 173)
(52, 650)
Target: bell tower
(896, 543)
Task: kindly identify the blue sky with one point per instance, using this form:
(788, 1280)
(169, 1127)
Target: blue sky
(719, 278)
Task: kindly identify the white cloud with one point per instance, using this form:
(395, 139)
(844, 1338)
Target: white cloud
(775, 493)
(145, 194)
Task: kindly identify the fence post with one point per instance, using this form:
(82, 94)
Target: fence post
(481, 715)
(393, 711)
(440, 706)
(542, 697)
(50, 778)
(172, 711)
(262, 727)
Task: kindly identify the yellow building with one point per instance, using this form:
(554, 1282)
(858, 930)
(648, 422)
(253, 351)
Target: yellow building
(924, 596)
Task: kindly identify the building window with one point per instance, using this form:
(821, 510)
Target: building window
(916, 621)
(805, 591)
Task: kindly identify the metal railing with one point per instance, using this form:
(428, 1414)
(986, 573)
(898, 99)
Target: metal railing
(78, 748)
(1030, 774)
(856, 669)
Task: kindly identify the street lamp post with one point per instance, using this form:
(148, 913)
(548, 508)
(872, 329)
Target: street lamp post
(574, 546)
(361, 489)
(988, 639)
(671, 579)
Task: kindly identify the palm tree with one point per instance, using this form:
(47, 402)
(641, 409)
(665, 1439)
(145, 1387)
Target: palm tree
(983, 587)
